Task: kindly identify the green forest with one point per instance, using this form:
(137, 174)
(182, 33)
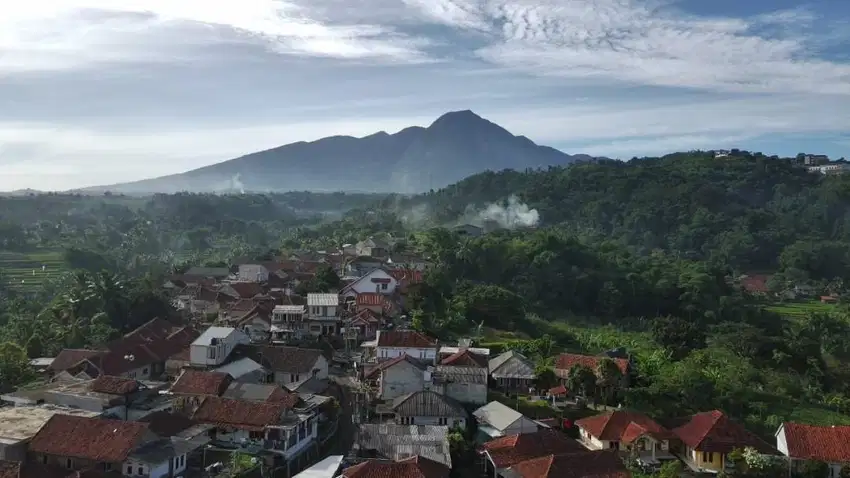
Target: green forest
(646, 254)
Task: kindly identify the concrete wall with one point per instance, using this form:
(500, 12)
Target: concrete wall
(401, 379)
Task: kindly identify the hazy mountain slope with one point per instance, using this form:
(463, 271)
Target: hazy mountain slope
(415, 159)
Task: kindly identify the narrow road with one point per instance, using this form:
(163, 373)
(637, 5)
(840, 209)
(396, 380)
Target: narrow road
(346, 432)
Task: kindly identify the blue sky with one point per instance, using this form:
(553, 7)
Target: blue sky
(102, 91)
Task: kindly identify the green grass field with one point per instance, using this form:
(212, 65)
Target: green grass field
(23, 271)
(801, 309)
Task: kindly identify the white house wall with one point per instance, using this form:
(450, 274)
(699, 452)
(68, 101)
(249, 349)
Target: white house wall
(384, 353)
(401, 379)
(366, 285)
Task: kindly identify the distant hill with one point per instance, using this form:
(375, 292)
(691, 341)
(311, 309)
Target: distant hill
(415, 159)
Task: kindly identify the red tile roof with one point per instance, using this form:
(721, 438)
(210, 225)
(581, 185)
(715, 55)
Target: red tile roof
(114, 385)
(558, 391)
(623, 426)
(413, 467)
(197, 382)
(95, 439)
(587, 464)
(404, 338)
(755, 283)
(564, 362)
(67, 358)
(810, 442)
(365, 316)
(406, 276)
(370, 299)
(465, 358)
(507, 451)
(715, 432)
(240, 414)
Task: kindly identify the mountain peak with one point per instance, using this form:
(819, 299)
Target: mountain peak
(458, 117)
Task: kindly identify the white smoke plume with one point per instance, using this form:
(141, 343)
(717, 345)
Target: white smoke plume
(511, 214)
(236, 183)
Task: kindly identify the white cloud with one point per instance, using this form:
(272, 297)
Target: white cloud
(55, 34)
(645, 43)
(190, 82)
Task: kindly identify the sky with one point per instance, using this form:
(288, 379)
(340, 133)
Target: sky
(96, 92)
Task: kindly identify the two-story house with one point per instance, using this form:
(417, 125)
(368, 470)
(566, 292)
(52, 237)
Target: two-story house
(827, 444)
(622, 430)
(214, 346)
(81, 444)
(708, 438)
(375, 281)
(275, 427)
(288, 322)
(394, 343)
(429, 408)
(322, 314)
(463, 377)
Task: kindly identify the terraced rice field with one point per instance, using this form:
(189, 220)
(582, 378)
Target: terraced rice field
(28, 271)
(802, 309)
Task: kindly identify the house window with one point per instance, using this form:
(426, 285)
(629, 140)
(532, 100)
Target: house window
(107, 467)
(706, 457)
(140, 471)
(43, 459)
(615, 445)
(293, 377)
(443, 421)
(69, 463)
(210, 353)
(384, 286)
(129, 470)
(145, 371)
(182, 460)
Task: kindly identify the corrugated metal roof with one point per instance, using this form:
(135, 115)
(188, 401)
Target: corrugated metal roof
(497, 415)
(289, 309)
(398, 442)
(240, 367)
(511, 365)
(320, 300)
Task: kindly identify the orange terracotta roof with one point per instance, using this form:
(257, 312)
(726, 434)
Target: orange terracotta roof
(587, 464)
(198, 382)
(405, 339)
(96, 439)
(715, 432)
(564, 362)
(465, 358)
(623, 426)
(240, 414)
(810, 442)
(510, 450)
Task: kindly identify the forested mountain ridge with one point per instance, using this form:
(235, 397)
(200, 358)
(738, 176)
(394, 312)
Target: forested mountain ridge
(749, 211)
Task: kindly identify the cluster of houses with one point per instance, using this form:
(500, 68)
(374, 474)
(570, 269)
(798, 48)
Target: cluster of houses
(162, 401)
(418, 391)
(169, 400)
(261, 297)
